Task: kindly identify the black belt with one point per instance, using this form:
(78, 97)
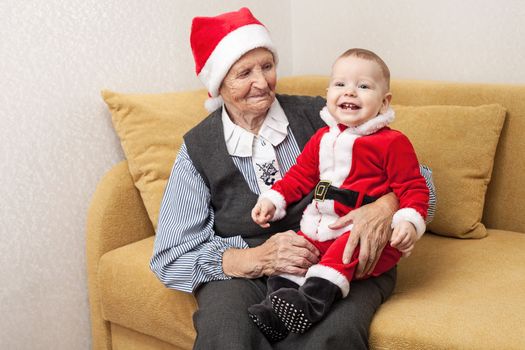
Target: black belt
(324, 190)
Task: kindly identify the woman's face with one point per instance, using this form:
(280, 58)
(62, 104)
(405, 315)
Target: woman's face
(249, 86)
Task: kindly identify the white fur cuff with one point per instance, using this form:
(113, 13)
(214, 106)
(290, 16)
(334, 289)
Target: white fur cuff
(278, 200)
(331, 275)
(412, 216)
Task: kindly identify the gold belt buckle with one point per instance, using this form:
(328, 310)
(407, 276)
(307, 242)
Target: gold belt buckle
(321, 189)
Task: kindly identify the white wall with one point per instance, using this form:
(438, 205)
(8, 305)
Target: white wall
(468, 40)
(56, 139)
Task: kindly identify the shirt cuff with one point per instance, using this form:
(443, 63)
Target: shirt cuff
(211, 260)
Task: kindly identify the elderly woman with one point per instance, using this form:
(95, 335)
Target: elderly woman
(206, 242)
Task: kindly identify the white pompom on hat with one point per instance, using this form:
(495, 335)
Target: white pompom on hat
(218, 42)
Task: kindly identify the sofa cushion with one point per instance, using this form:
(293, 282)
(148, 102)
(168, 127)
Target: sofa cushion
(458, 143)
(457, 294)
(133, 297)
(123, 338)
(150, 128)
(450, 293)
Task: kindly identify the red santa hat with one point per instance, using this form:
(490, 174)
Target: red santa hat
(218, 42)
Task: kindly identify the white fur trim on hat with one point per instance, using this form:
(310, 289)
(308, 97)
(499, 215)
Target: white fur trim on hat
(228, 51)
(278, 200)
(411, 215)
(332, 275)
(213, 103)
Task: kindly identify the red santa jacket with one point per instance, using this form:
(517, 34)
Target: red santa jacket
(371, 159)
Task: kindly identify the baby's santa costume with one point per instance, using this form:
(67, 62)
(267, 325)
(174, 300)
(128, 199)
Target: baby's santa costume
(346, 167)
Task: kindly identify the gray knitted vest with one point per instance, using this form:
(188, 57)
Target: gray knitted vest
(231, 198)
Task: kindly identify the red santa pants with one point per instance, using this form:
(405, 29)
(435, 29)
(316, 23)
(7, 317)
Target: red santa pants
(332, 256)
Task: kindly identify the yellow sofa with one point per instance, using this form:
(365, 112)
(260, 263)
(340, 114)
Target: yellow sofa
(451, 293)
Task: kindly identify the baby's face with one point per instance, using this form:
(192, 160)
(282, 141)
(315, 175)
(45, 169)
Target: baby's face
(357, 92)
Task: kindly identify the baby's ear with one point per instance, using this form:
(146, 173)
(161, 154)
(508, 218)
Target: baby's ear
(386, 102)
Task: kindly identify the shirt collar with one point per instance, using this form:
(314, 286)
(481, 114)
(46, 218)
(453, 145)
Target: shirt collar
(239, 141)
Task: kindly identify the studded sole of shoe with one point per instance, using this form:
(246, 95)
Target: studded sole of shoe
(270, 333)
(292, 317)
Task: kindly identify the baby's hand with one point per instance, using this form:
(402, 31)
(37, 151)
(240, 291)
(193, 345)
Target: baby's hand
(263, 212)
(404, 237)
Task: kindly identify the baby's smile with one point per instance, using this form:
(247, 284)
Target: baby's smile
(347, 105)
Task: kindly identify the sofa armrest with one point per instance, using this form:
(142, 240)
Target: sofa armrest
(116, 218)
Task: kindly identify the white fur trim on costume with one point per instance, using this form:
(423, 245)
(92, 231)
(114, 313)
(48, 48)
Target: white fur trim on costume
(332, 275)
(213, 103)
(335, 155)
(327, 117)
(317, 217)
(310, 220)
(411, 215)
(297, 279)
(368, 127)
(232, 47)
(374, 124)
(335, 161)
(278, 200)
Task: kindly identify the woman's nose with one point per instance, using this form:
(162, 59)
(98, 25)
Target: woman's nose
(259, 79)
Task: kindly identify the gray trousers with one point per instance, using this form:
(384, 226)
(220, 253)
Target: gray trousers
(222, 320)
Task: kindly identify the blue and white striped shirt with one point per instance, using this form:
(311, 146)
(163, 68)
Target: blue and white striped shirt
(187, 251)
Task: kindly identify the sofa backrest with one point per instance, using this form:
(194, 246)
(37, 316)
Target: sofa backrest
(505, 199)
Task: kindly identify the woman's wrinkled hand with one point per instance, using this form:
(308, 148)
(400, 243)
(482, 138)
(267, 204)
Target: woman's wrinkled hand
(371, 231)
(284, 252)
(287, 252)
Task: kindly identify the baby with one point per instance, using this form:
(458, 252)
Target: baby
(352, 161)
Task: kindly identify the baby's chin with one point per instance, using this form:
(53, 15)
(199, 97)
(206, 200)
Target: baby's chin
(350, 120)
